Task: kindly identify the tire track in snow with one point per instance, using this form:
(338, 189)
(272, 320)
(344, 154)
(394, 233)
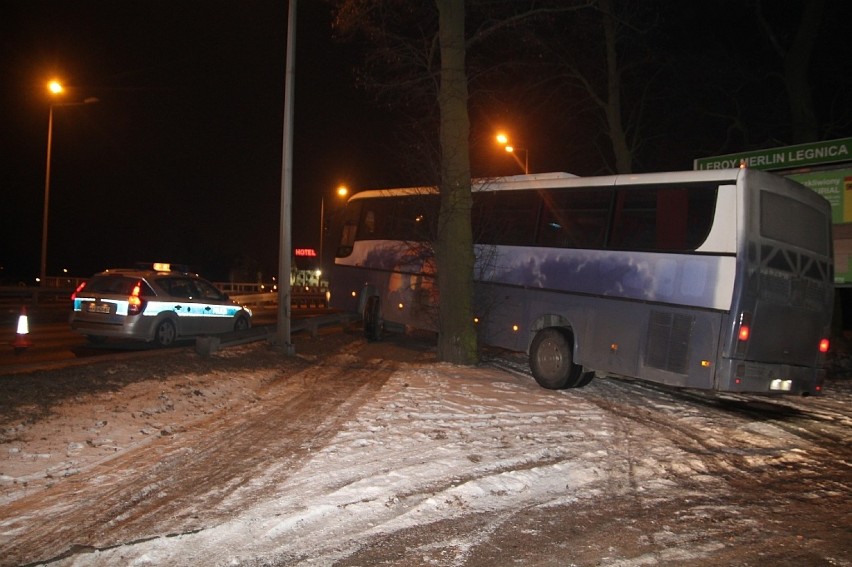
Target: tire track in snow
(182, 484)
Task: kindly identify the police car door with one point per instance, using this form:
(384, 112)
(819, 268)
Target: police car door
(184, 299)
(217, 312)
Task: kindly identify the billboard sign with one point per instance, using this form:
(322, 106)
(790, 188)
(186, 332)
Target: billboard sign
(787, 157)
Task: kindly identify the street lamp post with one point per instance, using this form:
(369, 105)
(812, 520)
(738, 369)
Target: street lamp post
(43, 270)
(503, 140)
(55, 88)
(526, 164)
(342, 191)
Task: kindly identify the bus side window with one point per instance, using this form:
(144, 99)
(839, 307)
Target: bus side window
(702, 210)
(347, 238)
(482, 225)
(415, 218)
(514, 217)
(634, 223)
(672, 216)
(663, 218)
(349, 230)
(574, 218)
(373, 220)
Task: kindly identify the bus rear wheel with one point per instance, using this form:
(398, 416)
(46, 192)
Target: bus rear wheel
(372, 319)
(552, 361)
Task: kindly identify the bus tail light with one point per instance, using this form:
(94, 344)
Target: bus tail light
(824, 345)
(743, 331)
(135, 304)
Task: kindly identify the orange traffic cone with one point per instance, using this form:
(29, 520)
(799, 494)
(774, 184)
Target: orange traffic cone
(22, 339)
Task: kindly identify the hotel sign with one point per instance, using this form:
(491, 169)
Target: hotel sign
(787, 157)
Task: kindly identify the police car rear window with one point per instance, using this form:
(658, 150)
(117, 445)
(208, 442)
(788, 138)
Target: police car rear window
(117, 285)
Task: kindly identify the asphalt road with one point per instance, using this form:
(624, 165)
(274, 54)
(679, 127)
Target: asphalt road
(52, 344)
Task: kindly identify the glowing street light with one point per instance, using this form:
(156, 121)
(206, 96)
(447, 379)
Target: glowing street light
(503, 140)
(341, 192)
(55, 87)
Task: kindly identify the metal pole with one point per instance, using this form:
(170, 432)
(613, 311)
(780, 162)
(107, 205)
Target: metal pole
(515, 157)
(285, 249)
(43, 266)
(322, 229)
(43, 270)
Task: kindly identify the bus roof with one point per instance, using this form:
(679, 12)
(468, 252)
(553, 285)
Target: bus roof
(561, 179)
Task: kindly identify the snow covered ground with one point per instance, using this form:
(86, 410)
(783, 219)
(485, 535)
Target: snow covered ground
(438, 443)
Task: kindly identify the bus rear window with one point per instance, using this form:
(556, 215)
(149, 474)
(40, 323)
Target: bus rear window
(793, 222)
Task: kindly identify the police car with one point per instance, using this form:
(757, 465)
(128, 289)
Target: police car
(156, 305)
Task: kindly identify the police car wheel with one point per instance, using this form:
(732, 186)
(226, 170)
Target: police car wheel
(242, 324)
(165, 333)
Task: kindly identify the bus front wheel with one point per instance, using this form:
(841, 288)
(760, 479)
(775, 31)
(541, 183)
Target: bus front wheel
(552, 361)
(372, 319)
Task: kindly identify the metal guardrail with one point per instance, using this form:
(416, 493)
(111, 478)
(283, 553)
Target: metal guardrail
(298, 299)
(65, 283)
(33, 295)
(250, 294)
(207, 345)
(241, 287)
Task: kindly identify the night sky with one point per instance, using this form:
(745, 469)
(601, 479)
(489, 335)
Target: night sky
(180, 160)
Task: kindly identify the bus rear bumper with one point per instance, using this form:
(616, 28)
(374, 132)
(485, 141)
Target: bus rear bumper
(771, 379)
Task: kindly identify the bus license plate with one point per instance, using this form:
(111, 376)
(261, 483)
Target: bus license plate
(781, 385)
(99, 308)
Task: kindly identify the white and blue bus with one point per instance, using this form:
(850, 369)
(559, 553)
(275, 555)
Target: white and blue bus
(719, 280)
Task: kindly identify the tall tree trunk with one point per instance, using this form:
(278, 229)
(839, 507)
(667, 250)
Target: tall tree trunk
(454, 249)
(796, 67)
(623, 156)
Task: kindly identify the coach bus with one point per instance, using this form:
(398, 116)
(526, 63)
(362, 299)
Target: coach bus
(718, 280)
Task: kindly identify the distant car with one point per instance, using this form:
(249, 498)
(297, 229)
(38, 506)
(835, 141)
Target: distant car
(157, 305)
